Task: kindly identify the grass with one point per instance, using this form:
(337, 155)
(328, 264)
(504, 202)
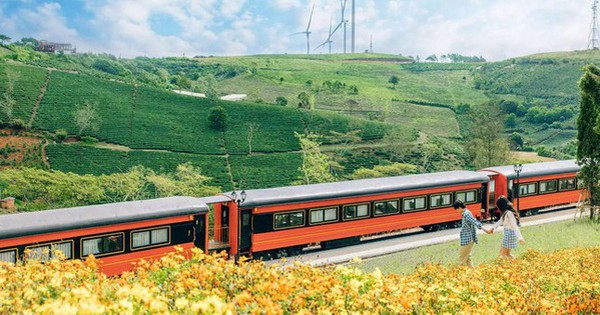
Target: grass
(546, 238)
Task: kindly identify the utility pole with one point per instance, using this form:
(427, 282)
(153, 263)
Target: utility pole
(594, 42)
(353, 25)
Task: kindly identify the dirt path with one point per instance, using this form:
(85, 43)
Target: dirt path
(39, 99)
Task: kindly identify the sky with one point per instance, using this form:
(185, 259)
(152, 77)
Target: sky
(494, 29)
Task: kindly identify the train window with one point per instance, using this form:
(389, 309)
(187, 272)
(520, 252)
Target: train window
(151, 237)
(466, 196)
(39, 253)
(527, 189)
(386, 207)
(414, 204)
(289, 219)
(323, 215)
(9, 256)
(548, 186)
(66, 248)
(45, 252)
(566, 184)
(438, 201)
(107, 244)
(356, 211)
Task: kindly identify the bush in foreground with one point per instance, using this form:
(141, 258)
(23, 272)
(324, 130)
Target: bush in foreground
(567, 281)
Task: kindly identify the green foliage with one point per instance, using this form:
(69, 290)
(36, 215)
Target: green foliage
(86, 117)
(51, 189)
(395, 169)
(4, 38)
(588, 140)
(394, 81)
(218, 118)
(540, 115)
(511, 120)
(516, 140)
(7, 101)
(60, 135)
(183, 83)
(306, 100)
(280, 100)
(316, 167)
(486, 145)
(85, 159)
(109, 66)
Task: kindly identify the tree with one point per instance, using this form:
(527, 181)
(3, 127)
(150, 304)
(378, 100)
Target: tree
(394, 81)
(86, 117)
(588, 139)
(511, 120)
(4, 38)
(306, 100)
(252, 128)
(208, 85)
(7, 102)
(486, 146)
(30, 41)
(280, 100)
(517, 140)
(395, 169)
(218, 118)
(183, 82)
(316, 166)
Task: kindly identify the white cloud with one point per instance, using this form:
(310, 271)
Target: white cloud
(495, 29)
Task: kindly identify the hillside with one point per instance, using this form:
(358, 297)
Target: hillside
(364, 119)
(160, 129)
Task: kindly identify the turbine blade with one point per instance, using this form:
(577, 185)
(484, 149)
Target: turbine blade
(310, 18)
(298, 33)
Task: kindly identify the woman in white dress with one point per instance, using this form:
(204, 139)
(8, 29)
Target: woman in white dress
(510, 221)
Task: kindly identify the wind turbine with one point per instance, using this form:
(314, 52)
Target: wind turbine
(328, 40)
(307, 32)
(343, 22)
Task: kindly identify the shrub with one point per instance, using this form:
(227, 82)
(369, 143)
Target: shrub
(60, 135)
(218, 118)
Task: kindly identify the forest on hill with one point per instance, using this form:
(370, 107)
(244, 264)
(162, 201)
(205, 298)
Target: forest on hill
(99, 114)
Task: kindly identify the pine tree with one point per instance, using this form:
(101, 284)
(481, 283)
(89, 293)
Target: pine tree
(588, 140)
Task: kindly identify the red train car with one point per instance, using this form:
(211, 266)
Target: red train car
(282, 221)
(119, 234)
(540, 185)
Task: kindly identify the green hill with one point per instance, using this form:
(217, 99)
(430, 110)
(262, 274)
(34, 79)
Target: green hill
(144, 123)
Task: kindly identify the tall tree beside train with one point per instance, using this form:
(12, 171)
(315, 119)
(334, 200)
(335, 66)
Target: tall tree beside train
(588, 137)
(485, 145)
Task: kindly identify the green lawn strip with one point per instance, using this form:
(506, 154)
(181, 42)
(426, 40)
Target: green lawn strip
(546, 237)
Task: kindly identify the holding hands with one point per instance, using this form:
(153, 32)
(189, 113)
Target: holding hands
(488, 231)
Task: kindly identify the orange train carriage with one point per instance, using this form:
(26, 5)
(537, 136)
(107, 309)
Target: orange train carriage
(279, 221)
(119, 234)
(282, 221)
(540, 185)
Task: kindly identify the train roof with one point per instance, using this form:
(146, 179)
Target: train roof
(537, 169)
(21, 224)
(291, 194)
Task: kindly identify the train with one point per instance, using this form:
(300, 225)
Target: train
(283, 221)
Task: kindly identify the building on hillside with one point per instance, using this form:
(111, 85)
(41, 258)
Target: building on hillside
(52, 47)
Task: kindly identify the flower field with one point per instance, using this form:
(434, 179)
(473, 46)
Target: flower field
(567, 281)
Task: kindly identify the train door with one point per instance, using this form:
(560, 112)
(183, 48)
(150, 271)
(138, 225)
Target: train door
(245, 231)
(200, 227)
(492, 196)
(225, 223)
